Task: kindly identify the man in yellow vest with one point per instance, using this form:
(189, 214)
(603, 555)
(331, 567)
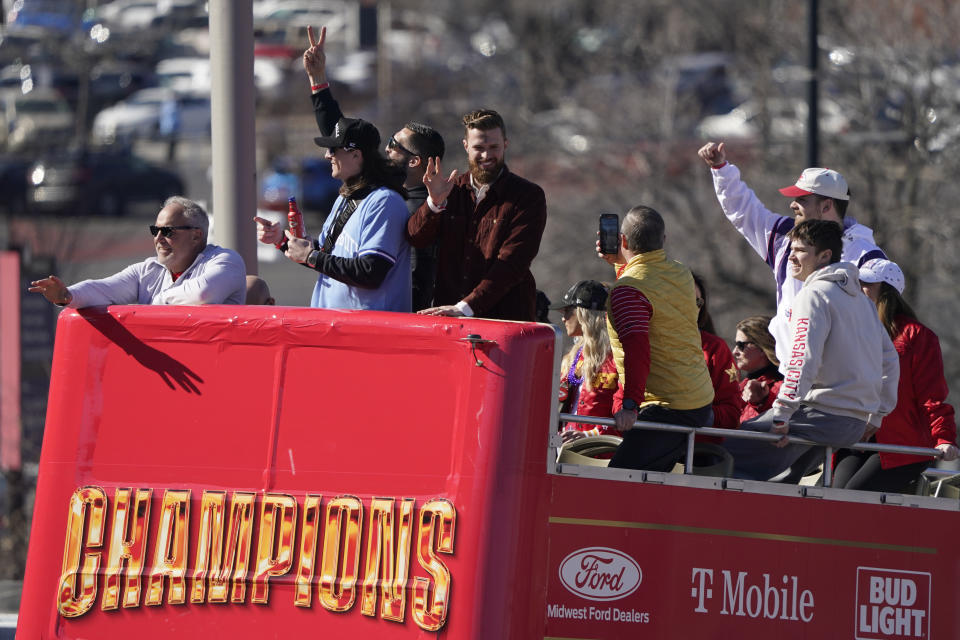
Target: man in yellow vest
(652, 320)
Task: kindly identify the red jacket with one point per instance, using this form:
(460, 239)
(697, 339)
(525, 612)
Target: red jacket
(727, 404)
(922, 417)
(596, 401)
(772, 377)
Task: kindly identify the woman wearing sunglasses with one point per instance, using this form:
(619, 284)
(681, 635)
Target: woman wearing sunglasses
(756, 357)
(922, 417)
(588, 372)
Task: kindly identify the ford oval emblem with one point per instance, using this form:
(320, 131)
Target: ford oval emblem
(600, 573)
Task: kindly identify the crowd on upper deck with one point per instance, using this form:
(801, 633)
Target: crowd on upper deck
(842, 359)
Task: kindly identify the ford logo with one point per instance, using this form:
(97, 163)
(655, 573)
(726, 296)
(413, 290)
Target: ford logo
(600, 573)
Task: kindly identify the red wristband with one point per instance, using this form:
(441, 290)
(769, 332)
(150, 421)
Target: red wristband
(319, 87)
(718, 166)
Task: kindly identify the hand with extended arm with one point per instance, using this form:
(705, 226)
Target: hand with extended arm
(713, 154)
(268, 232)
(314, 58)
(53, 289)
(437, 186)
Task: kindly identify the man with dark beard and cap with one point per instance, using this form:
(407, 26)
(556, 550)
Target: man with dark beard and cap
(487, 226)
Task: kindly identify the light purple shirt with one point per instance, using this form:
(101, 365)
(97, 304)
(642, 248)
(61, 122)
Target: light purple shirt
(217, 276)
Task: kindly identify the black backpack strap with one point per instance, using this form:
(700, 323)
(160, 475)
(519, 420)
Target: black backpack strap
(336, 228)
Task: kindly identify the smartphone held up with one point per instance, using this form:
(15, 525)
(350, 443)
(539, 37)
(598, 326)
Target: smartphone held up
(609, 233)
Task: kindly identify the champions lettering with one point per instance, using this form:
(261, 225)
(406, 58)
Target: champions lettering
(221, 570)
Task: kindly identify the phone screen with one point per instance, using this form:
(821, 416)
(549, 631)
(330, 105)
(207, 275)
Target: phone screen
(609, 233)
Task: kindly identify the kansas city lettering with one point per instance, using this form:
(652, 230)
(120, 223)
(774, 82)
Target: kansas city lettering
(243, 539)
(791, 381)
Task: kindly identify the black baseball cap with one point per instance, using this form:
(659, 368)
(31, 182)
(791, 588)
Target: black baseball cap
(351, 133)
(588, 294)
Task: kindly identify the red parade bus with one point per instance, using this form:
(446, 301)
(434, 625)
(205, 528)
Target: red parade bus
(288, 472)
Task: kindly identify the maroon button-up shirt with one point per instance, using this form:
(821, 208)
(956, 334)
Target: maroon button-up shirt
(485, 249)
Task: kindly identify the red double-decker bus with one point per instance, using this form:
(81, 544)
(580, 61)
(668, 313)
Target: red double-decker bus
(287, 472)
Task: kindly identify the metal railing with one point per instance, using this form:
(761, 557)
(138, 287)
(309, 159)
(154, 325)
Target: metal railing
(693, 432)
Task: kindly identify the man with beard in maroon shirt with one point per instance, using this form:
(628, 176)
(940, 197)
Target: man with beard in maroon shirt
(487, 225)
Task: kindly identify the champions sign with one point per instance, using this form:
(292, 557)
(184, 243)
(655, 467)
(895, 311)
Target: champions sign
(332, 556)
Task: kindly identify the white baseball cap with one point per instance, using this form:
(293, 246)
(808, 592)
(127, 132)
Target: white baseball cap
(880, 270)
(823, 182)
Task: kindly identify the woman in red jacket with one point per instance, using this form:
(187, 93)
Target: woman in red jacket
(588, 372)
(922, 417)
(756, 357)
(723, 372)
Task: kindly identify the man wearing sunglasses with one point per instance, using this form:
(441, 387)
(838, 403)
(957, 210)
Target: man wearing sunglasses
(186, 269)
(409, 148)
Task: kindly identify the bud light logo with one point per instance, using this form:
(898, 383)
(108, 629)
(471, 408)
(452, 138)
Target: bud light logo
(600, 573)
(892, 604)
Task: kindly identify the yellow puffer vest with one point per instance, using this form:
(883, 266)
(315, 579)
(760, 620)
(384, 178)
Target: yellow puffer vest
(678, 376)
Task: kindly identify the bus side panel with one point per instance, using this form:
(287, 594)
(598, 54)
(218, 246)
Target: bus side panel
(367, 450)
(633, 560)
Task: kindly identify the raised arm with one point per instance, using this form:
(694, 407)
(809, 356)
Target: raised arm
(325, 109)
(741, 205)
(423, 225)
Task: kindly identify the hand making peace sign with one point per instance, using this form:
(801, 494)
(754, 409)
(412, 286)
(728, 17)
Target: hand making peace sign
(314, 58)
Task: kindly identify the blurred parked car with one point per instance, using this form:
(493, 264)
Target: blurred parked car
(47, 74)
(139, 116)
(301, 13)
(787, 120)
(184, 74)
(52, 15)
(98, 182)
(40, 118)
(192, 74)
(111, 81)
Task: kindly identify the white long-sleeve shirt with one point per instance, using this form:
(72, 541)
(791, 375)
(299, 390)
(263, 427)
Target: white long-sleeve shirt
(217, 276)
(766, 232)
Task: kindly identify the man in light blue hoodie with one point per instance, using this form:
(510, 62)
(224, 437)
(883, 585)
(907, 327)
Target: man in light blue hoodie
(841, 369)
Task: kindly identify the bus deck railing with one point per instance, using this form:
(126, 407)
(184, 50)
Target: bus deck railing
(693, 432)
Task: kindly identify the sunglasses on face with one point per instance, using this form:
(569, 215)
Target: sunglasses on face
(742, 345)
(166, 232)
(393, 144)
